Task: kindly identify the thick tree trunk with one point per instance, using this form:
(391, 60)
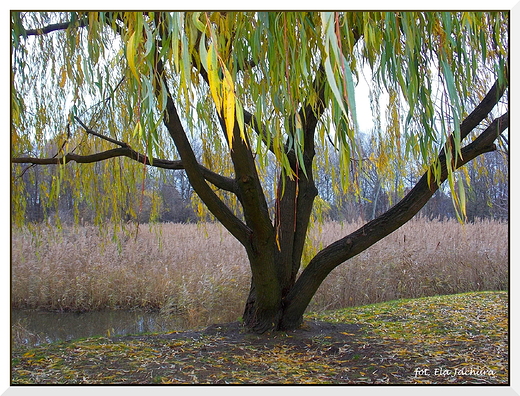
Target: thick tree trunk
(258, 319)
(263, 310)
(291, 224)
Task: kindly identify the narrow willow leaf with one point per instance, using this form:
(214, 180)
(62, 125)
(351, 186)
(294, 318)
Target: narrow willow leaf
(176, 42)
(203, 52)
(215, 84)
(462, 197)
(240, 119)
(351, 95)
(150, 40)
(228, 103)
(185, 65)
(450, 82)
(63, 79)
(138, 129)
(163, 98)
(334, 86)
(299, 154)
(500, 71)
(130, 55)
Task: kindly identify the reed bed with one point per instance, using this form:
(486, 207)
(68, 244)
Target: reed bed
(201, 272)
(422, 258)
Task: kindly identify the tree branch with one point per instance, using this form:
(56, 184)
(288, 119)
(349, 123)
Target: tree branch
(193, 170)
(358, 241)
(107, 138)
(219, 181)
(55, 27)
(294, 207)
(250, 192)
(479, 113)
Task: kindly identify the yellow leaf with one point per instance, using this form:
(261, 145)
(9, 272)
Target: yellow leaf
(138, 129)
(63, 76)
(228, 99)
(130, 55)
(213, 78)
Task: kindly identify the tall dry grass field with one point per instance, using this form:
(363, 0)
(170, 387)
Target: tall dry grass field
(201, 272)
(422, 258)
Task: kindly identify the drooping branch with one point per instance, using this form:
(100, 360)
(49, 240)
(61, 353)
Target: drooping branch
(219, 181)
(250, 192)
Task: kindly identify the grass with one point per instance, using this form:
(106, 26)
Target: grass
(201, 272)
(455, 339)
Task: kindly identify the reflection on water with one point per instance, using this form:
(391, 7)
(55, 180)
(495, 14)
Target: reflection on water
(35, 327)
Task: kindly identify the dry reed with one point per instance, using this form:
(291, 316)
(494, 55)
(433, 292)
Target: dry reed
(422, 258)
(201, 272)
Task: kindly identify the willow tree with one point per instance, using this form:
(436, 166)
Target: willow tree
(252, 89)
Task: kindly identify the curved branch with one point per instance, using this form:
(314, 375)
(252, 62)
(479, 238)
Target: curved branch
(193, 169)
(358, 241)
(107, 138)
(81, 159)
(222, 182)
(249, 188)
(219, 181)
(82, 22)
(56, 27)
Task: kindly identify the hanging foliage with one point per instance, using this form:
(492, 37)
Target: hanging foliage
(226, 95)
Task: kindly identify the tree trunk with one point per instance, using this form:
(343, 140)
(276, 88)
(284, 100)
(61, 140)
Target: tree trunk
(257, 318)
(282, 255)
(288, 313)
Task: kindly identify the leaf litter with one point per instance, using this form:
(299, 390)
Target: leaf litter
(454, 339)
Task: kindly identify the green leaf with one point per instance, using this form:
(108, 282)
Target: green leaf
(351, 95)
(240, 119)
(196, 21)
(334, 86)
(203, 52)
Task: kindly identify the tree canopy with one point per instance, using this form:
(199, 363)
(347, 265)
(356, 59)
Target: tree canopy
(253, 89)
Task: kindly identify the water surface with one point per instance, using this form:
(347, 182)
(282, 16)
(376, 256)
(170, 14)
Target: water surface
(36, 327)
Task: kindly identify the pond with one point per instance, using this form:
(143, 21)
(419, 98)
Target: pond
(36, 327)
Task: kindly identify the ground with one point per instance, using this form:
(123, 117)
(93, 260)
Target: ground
(458, 339)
